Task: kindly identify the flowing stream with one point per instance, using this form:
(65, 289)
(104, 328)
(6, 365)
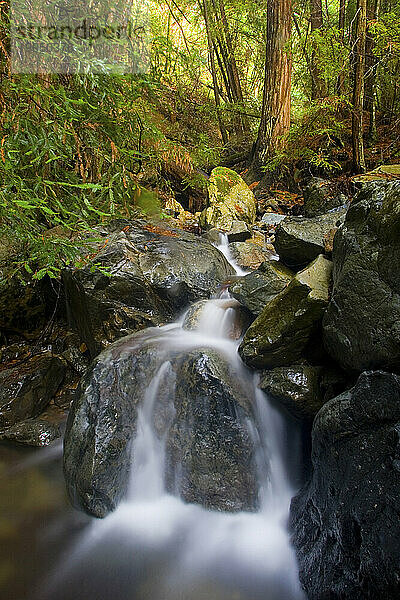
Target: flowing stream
(157, 547)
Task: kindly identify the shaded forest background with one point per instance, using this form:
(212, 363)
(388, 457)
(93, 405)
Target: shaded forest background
(277, 90)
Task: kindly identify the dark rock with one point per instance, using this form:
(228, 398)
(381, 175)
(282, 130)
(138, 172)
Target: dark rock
(212, 235)
(102, 422)
(299, 240)
(321, 196)
(362, 323)
(210, 452)
(32, 432)
(257, 288)
(155, 272)
(282, 331)
(301, 389)
(26, 389)
(210, 447)
(345, 521)
(239, 232)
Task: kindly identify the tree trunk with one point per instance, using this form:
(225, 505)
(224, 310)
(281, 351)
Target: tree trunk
(316, 21)
(358, 89)
(214, 74)
(275, 112)
(371, 71)
(342, 22)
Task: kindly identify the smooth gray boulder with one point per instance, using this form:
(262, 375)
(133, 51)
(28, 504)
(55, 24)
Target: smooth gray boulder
(345, 521)
(239, 232)
(302, 389)
(321, 196)
(361, 326)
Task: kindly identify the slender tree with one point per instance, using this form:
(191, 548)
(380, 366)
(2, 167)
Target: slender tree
(317, 22)
(275, 112)
(342, 22)
(371, 68)
(358, 88)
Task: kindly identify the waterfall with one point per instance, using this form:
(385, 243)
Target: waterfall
(155, 546)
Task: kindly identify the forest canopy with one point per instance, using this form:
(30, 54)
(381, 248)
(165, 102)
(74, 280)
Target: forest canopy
(274, 89)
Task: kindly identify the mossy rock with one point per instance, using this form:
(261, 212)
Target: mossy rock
(280, 334)
(230, 199)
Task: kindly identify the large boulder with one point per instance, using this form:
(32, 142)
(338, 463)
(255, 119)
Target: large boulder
(299, 240)
(282, 331)
(345, 521)
(259, 287)
(230, 199)
(210, 447)
(362, 323)
(321, 196)
(147, 275)
(27, 388)
(102, 422)
(301, 389)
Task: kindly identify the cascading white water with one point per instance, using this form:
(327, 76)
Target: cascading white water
(161, 548)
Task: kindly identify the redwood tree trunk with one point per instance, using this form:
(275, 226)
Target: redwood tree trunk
(317, 21)
(358, 89)
(275, 112)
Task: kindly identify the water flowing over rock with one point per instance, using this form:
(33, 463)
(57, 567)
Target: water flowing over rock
(210, 448)
(362, 323)
(209, 454)
(27, 388)
(282, 331)
(299, 240)
(257, 288)
(101, 424)
(345, 521)
(155, 272)
(230, 199)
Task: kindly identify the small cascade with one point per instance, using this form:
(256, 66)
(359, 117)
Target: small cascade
(164, 548)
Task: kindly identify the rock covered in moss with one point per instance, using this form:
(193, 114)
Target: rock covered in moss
(282, 331)
(362, 323)
(257, 288)
(230, 199)
(299, 240)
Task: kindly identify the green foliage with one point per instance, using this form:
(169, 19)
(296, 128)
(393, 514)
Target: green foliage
(70, 153)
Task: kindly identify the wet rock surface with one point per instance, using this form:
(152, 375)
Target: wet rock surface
(211, 452)
(256, 289)
(280, 334)
(345, 521)
(362, 323)
(299, 240)
(155, 272)
(101, 425)
(27, 388)
(302, 389)
(32, 432)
